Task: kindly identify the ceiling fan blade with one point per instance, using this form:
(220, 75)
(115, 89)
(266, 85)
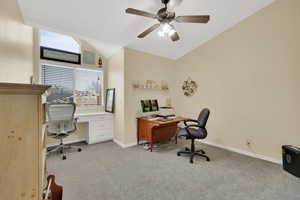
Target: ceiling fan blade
(175, 37)
(193, 19)
(148, 31)
(140, 13)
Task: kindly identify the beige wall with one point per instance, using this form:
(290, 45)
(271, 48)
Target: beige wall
(16, 45)
(116, 79)
(142, 66)
(249, 78)
(125, 67)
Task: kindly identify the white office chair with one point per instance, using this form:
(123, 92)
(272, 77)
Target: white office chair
(61, 123)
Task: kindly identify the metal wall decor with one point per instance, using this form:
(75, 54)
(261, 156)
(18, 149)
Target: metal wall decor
(189, 87)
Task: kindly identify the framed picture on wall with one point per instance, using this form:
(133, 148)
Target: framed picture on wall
(110, 100)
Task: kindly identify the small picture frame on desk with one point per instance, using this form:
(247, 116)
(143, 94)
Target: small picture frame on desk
(110, 100)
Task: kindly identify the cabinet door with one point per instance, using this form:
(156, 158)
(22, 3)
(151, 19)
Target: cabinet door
(100, 130)
(19, 147)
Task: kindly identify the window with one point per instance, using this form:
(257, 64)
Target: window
(59, 41)
(81, 86)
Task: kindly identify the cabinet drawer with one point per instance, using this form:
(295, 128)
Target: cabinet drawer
(102, 125)
(106, 132)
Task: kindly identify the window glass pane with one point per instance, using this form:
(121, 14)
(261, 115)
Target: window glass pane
(58, 41)
(62, 81)
(88, 87)
(82, 86)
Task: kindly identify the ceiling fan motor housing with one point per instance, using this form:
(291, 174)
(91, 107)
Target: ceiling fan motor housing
(164, 16)
(165, 1)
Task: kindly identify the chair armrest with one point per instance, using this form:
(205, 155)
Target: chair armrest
(190, 121)
(191, 126)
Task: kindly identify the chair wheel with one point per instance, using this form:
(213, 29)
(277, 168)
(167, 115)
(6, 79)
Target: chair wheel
(178, 154)
(191, 161)
(203, 152)
(64, 157)
(187, 149)
(79, 149)
(207, 159)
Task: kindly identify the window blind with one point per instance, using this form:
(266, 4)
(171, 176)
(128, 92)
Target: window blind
(58, 76)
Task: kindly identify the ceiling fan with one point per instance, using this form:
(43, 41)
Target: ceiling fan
(165, 18)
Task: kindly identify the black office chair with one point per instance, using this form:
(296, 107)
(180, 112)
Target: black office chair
(195, 129)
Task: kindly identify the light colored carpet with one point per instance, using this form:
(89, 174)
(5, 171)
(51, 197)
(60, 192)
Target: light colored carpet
(107, 172)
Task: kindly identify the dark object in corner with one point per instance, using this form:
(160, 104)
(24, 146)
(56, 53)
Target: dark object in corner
(291, 159)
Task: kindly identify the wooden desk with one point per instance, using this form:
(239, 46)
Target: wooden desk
(154, 131)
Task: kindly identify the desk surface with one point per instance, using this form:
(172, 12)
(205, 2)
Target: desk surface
(176, 120)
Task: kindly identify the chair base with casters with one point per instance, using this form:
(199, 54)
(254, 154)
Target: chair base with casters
(191, 152)
(61, 148)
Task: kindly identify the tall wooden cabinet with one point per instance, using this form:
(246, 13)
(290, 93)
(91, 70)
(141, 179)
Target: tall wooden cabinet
(22, 141)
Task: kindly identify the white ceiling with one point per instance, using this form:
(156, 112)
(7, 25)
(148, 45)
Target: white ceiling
(105, 24)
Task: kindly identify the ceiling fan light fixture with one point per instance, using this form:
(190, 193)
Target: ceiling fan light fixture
(160, 33)
(171, 32)
(166, 28)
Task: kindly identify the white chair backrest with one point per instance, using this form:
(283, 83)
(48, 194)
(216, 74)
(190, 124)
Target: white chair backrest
(61, 118)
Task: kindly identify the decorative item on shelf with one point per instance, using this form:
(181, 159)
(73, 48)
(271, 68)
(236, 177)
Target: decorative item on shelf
(136, 84)
(156, 85)
(164, 85)
(150, 84)
(189, 87)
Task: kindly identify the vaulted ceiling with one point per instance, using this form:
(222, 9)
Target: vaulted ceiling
(108, 28)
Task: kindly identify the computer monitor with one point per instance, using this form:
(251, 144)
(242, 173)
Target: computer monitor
(149, 105)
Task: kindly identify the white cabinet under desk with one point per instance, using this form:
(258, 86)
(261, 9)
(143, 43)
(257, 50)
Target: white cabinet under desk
(100, 126)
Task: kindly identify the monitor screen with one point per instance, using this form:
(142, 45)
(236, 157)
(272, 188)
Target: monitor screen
(149, 105)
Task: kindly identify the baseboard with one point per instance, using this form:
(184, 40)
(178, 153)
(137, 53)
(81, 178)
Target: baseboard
(66, 142)
(247, 153)
(121, 144)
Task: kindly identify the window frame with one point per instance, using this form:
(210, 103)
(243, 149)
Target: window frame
(42, 57)
(82, 68)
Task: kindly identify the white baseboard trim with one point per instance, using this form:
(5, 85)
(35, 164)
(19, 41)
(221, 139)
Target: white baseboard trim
(247, 153)
(66, 142)
(121, 144)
